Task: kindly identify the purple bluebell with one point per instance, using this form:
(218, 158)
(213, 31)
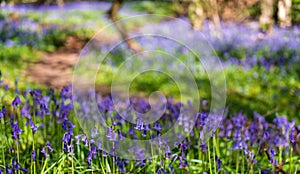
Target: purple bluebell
(77, 137)
(182, 162)
(16, 166)
(157, 126)
(104, 154)
(219, 162)
(6, 87)
(202, 118)
(67, 140)
(272, 153)
(3, 110)
(44, 150)
(85, 140)
(203, 147)
(1, 114)
(292, 136)
(36, 95)
(250, 156)
(33, 155)
(16, 102)
(8, 170)
(48, 145)
(141, 163)
(91, 155)
(111, 134)
(161, 171)
(32, 126)
(16, 131)
(121, 166)
(67, 125)
(139, 125)
(25, 111)
(239, 145)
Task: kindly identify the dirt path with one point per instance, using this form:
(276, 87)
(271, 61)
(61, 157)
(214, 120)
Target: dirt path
(55, 69)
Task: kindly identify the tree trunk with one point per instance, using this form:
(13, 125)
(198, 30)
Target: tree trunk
(196, 14)
(266, 18)
(113, 15)
(284, 17)
(214, 15)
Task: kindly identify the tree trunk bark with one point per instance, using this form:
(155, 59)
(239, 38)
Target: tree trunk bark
(284, 17)
(266, 18)
(196, 14)
(214, 15)
(113, 15)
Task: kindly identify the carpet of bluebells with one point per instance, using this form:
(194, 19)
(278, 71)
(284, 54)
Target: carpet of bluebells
(40, 133)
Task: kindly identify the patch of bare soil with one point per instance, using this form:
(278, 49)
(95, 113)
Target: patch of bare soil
(55, 69)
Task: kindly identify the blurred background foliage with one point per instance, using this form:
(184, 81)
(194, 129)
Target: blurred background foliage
(267, 89)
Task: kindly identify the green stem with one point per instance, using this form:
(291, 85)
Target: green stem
(291, 159)
(154, 160)
(18, 155)
(3, 156)
(34, 167)
(214, 158)
(243, 163)
(209, 160)
(216, 144)
(72, 164)
(280, 155)
(237, 162)
(45, 163)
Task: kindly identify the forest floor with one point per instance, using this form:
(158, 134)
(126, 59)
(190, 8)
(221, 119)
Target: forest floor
(55, 69)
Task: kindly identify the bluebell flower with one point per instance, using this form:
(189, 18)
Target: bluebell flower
(85, 140)
(121, 166)
(272, 153)
(25, 111)
(16, 131)
(77, 137)
(44, 150)
(141, 163)
(203, 147)
(104, 154)
(33, 155)
(6, 87)
(239, 145)
(161, 171)
(8, 170)
(91, 155)
(250, 156)
(219, 162)
(3, 110)
(292, 136)
(202, 118)
(16, 102)
(67, 140)
(1, 114)
(182, 162)
(32, 126)
(67, 125)
(16, 166)
(157, 126)
(139, 125)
